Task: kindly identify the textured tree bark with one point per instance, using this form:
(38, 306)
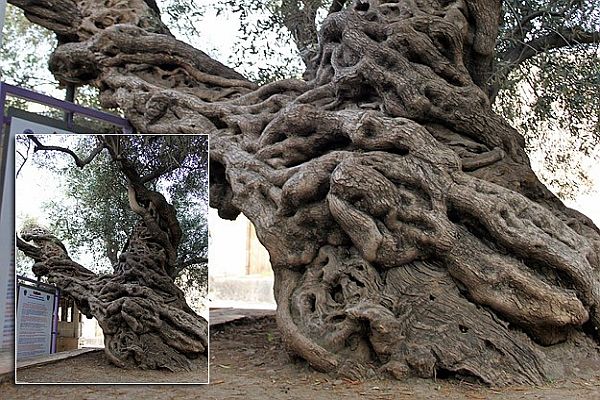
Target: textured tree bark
(407, 231)
(144, 316)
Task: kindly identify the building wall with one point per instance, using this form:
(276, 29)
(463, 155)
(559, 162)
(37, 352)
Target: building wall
(91, 333)
(234, 249)
(240, 273)
(69, 326)
(259, 262)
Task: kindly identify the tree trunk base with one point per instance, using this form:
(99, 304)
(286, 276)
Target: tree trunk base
(144, 317)
(343, 317)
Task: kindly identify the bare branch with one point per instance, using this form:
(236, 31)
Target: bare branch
(39, 146)
(25, 156)
(524, 26)
(188, 263)
(551, 41)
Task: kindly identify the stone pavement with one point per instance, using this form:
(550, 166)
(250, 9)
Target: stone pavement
(50, 358)
(220, 316)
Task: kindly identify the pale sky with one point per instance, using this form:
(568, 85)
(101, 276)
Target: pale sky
(589, 203)
(34, 187)
(218, 32)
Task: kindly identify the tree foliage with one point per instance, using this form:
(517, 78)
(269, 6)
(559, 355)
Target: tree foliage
(546, 81)
(27, 68)
(92, 212)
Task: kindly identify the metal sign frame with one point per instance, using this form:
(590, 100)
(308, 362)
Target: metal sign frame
(7, 90)
(7, 167)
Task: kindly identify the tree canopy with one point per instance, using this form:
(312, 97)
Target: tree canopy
(91, 211)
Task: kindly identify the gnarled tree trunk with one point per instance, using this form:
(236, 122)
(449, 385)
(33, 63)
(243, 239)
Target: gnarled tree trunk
(144, 317)
(406, 229)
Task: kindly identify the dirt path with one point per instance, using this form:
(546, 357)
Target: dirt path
(248, 362)
(95, 367)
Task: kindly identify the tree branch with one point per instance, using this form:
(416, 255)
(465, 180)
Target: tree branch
(185, 264)
(163, 169)
(25, 156)
(114, 148)
(39, 146)
(62, 17)
(513, 57)
(30, 250)
(302, 25)
(524, 25)
(551, 41)
(162, 221)
(49, 254)
(133, 203)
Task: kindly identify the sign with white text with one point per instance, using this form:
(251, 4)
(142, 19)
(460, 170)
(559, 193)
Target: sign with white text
(34, 322)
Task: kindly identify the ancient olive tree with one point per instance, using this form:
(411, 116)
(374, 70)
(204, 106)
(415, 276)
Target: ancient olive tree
(142, 312)
(406, 229)
(544, 77)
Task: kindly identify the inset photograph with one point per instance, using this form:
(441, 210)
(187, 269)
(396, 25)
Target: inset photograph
(112, 259)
